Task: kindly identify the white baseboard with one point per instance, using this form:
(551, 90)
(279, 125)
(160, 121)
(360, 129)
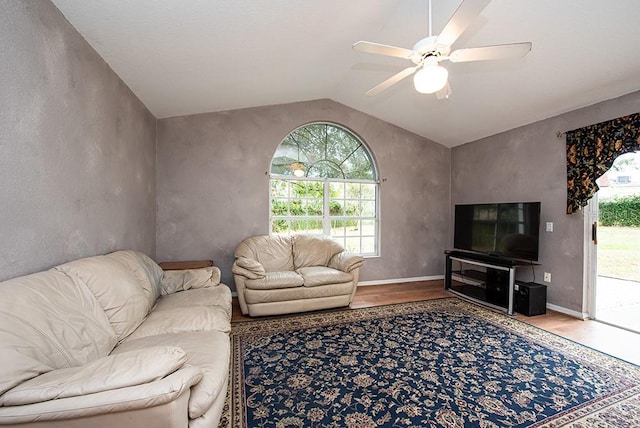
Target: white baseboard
(566, 311)
(400, 280)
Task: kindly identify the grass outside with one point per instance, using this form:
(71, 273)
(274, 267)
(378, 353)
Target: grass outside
(619, 252)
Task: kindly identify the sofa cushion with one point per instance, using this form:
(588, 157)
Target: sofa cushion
(274, 253)
(181, 280)
(321, 275)
(145, 270)
(48, 322)
(116, 287)
(104, 374)
(220, 296)
(271, 280)
(313, 250)
(209, 351)
(181, 320)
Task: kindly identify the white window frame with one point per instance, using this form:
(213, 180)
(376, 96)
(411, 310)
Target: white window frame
(326, 218)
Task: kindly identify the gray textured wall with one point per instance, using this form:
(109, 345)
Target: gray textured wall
(77, 148)
(212, 186)
(529, 164)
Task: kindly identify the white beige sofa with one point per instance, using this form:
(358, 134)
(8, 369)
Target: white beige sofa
(286, 274)
(113, 341)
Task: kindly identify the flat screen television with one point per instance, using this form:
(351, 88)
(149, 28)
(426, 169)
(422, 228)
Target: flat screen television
(509, 230)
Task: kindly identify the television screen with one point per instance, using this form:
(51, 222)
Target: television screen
(507, 230)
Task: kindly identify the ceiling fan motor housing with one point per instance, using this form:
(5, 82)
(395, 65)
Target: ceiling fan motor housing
(428, 47)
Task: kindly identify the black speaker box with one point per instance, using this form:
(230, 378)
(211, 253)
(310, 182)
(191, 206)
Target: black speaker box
(530, 298)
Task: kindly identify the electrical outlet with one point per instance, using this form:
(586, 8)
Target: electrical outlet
(547, 277)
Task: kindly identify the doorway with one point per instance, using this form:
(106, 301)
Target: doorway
(616, 250)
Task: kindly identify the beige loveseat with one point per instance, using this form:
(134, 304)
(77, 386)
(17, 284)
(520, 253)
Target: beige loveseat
(286, 274)
(113, 341)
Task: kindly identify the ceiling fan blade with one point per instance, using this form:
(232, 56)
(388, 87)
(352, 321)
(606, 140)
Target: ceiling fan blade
(377, 48)
(511, 50)
(461, 19)
(392, 81)
(444, 92)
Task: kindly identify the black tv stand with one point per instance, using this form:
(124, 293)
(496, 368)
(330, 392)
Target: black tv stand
(482, 278)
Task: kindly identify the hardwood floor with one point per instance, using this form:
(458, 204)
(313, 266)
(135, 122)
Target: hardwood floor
(605, 338)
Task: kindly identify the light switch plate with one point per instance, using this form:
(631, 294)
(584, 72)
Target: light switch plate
(549, 226)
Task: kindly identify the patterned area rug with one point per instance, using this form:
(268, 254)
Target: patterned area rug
(438, 363)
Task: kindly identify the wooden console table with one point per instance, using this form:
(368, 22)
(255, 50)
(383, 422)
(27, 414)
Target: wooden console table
(188, 264)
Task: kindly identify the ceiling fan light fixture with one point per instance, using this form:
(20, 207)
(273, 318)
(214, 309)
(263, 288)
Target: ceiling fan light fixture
(431, 78)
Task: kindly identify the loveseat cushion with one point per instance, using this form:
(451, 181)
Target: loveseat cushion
(209, 351)
(271, 280)
(297, 293)
(313, 250)
(48, 322)
(117, 289)
(321, 275)
(104, 374)
(274, 253)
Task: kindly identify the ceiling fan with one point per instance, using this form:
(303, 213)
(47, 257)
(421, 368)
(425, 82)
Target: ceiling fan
(430, 77)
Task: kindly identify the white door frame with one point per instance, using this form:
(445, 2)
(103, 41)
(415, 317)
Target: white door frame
(590, 271)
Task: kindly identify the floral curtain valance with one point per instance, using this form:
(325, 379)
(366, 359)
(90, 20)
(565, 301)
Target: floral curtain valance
(592, 150)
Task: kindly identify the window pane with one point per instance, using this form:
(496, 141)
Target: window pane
(353, 190)
(295, 208)
(336, 208)
(369, 192)
(280, 227)
(279, 188)
(368, 227)
(368, 245)
(314, 207)
(353, 245)
(298, 226)
(279, 207)
(352, 208)
(315, 227)
(337, 228)
(353, 227)
(336, 190)
(368, 209)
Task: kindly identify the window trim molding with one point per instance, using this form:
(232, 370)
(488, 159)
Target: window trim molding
(326, 218)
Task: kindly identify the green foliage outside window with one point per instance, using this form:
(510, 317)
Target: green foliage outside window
(623, 211)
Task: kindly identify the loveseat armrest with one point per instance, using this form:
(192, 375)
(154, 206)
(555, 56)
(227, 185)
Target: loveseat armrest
(346, 262)
(181, 280)
(250, 269)
(107, 374)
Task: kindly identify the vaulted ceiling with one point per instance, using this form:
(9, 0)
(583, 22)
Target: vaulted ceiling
(185, 57)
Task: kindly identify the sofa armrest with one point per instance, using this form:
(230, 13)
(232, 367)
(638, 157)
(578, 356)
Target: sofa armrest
(171, 388)
(181, 280)
(248, 268)
(346, 262)
(111, 373)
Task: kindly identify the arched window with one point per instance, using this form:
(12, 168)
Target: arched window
(324, 182)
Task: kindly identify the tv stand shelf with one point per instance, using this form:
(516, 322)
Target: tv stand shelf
(484, 279)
